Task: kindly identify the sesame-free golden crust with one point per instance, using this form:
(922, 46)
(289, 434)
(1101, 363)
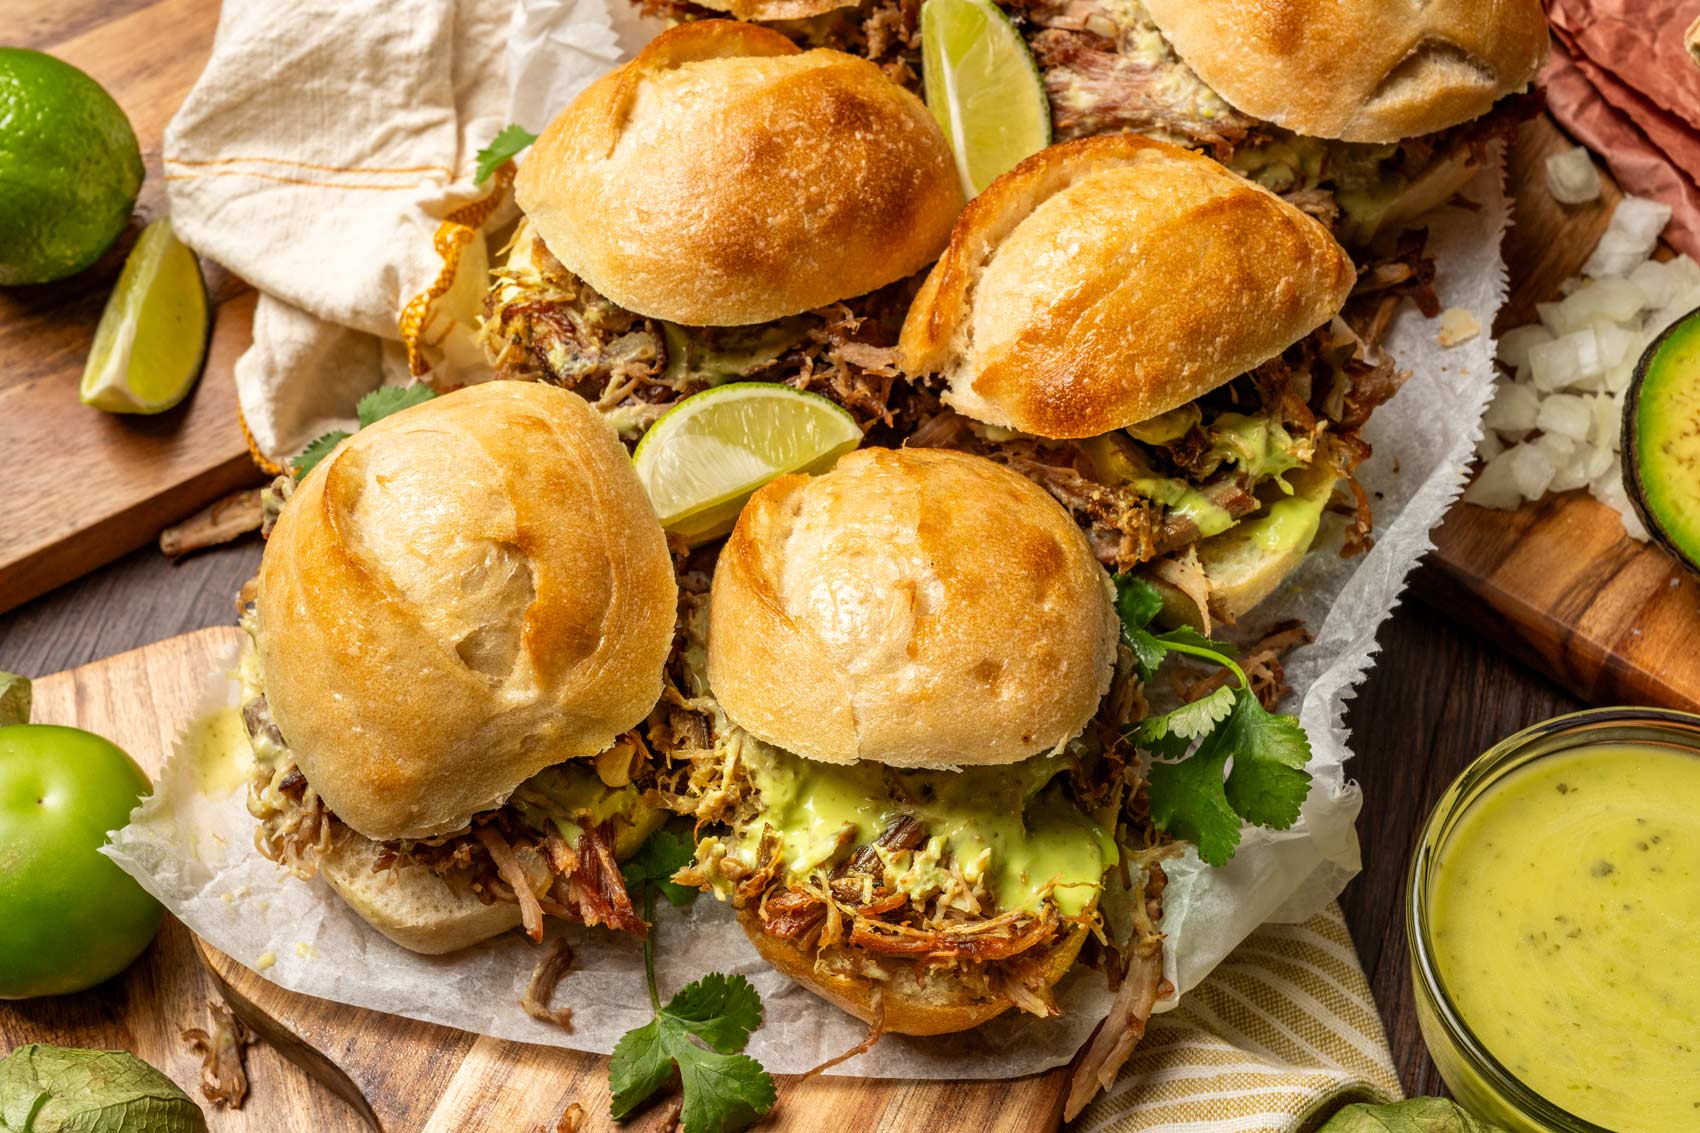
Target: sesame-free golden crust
(461, 595)
(1107, 280)
(912, 1000)
(1360, 70)
(916, 607)
(763, 10)
(726, 177)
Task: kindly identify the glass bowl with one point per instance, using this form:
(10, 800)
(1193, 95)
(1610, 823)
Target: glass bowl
(1479, 1081)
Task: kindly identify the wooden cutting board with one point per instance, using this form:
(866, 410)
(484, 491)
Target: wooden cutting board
(326, 1068)
(83, 487)
(1557, 582)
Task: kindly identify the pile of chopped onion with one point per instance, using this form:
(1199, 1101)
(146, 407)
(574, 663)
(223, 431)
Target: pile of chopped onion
(1556, 421)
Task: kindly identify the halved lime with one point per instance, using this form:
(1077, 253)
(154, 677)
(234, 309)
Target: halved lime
(710, 452)
(152, 337)
(983, 88)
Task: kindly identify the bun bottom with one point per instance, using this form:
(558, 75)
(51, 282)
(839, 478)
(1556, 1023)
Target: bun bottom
(410, 904)
(915, 1000)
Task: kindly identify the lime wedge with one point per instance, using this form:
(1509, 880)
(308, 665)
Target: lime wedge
(983, 87)
(152, 337)
(710, 452)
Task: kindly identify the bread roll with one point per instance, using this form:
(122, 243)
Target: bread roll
(461, 595)
(1360, 70)
(915, 1000)
(408, 903)
(726, 177)
(768, 10)
(1107, 280)
(918, 607)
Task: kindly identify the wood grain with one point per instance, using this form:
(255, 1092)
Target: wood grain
(326, 1067)
(83, 487)
(1557, 581)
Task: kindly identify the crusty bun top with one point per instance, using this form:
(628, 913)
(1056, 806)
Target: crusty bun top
(1107, 280)
(461, 595)
(1361, 70)
(916, 607)
(727, 177)
(765, 10)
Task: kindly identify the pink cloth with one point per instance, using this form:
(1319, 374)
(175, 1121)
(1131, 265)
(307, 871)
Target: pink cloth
(1621, 80)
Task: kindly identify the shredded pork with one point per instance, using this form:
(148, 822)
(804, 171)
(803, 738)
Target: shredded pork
(544, 323)
(540, 990)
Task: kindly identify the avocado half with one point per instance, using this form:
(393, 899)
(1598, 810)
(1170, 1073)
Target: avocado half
(1661, 439)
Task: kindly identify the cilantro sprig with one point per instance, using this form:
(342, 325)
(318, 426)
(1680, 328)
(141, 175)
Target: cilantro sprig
(504, 146)
(702, 1030)
(1221, 761)
(375, 406)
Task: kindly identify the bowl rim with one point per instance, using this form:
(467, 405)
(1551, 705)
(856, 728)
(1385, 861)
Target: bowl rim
(1550, 737)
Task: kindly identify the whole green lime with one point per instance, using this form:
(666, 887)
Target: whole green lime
(70, 168)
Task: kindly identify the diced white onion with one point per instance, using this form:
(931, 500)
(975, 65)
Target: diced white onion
(1532, 470)
(1629, 239)
(1556, 420)
(1616, 341)
(1513, 348)
(1572, 178)
(1572, 358)
(1605, 419)
(1565, 414)
(1657, 282)
(1514, 409)
(1494, 486)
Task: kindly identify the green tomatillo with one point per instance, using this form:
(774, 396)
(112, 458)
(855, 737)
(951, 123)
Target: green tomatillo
(69, 917)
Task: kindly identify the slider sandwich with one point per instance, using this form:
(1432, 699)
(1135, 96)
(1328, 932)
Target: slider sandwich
(458, 635)
(1158, 342)
(1366, 113)
(918, 792)
(725, 206)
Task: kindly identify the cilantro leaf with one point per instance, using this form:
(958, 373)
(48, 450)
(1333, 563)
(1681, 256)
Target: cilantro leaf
(1203, 800)
(657, 860)
(724, 1089)
(703, 1029)
(1188, 722)
(639, 1066)
(724, 1092)
(505, 145)
(1189, 800)
(1248, 765)
(315, 452)
(1267, 783)
(1137, 602)
(385, 400)
(719, 1010)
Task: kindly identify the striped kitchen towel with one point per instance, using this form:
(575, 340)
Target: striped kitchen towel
(1280, 1035)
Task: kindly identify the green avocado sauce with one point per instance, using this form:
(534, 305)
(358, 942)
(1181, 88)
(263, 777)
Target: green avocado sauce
(1260, 446)
(1010, 827)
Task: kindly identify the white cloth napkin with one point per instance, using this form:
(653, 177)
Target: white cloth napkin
(319, 156)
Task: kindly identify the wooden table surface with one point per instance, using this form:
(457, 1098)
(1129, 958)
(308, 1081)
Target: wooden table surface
(1435, 698)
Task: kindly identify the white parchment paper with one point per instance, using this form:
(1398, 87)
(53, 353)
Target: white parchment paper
(195, 853)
